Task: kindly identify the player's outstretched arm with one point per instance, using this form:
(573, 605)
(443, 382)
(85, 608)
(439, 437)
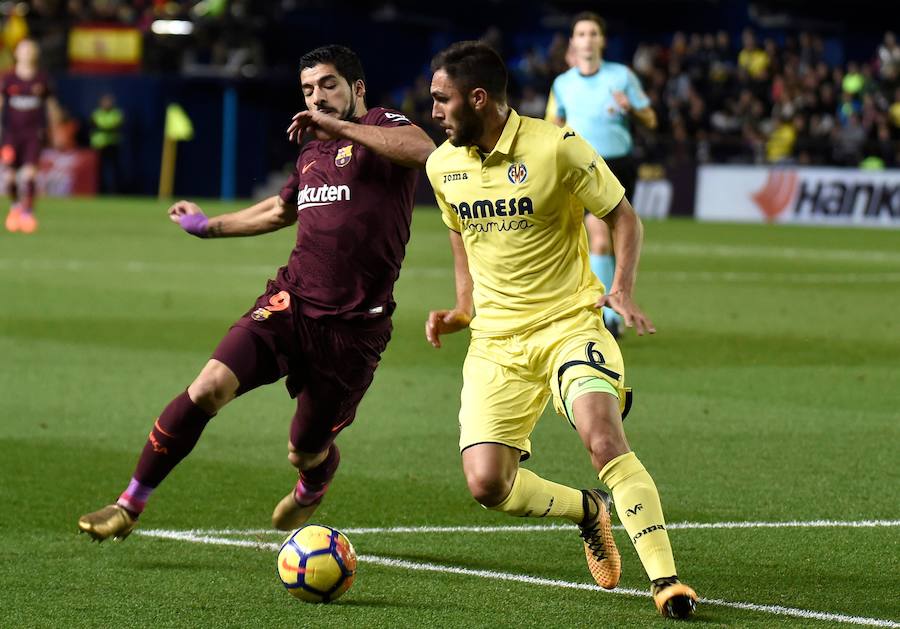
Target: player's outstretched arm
(627, 235)
(448, 321)
(261, 218)
(407, 145)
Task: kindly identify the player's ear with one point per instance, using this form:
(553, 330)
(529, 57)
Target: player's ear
(478, 98)
(359, 88)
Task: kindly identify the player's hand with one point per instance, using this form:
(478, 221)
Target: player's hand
(190, 218)
(324, 127)
(622, 101)
(444, 322)
(634, 317)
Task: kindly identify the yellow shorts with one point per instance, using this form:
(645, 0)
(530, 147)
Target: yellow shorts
(508, 380)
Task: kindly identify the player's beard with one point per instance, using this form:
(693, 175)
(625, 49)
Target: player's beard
(349, 113)
(469, 128)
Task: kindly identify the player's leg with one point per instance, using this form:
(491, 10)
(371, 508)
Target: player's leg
(240, 363)
(495, 427)
(7, 152)
(311, 449)
(341, 367)
(591, 383)
(27, 222)
(603, 264)
(599, 424)
(497, 482)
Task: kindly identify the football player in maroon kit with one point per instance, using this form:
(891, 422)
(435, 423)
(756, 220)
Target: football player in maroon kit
(26, 103)
(326, 318)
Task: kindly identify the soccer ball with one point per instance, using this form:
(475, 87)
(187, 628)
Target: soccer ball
(316, 563)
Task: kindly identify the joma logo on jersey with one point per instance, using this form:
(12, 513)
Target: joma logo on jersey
(517, 173)
(321, 195)
(485, 208)
(455, 177)
(634, 510)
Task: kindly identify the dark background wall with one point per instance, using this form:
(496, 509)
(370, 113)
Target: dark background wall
(396, 41)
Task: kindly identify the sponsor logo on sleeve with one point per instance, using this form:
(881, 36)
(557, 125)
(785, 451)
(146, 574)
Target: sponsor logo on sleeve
(393, 117)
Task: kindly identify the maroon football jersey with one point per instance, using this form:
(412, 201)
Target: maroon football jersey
(354, 209)
(24, 102)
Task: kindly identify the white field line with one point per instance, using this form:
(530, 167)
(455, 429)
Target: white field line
(785, 253)
(750, 277)
(687, 249)
(745, 277)
(778, 610)
(566, 527)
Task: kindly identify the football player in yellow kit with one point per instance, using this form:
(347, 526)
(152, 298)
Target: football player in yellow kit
(512, 190)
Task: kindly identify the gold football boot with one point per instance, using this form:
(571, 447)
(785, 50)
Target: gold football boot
(600, 549)
(110, 521)
(673, 599)
(289, 514)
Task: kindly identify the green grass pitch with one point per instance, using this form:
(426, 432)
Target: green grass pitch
(770, 394)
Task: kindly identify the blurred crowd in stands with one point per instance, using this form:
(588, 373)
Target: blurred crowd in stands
(749, 101)
(759, 102)
(222, 37)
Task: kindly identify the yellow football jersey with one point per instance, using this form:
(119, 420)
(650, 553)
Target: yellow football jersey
(520, 212)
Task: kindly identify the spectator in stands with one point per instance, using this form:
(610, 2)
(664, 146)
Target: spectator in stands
(106, 136)
(889, 56)
(849, 140)
(752, 59)
(780, 145)
(533, 103)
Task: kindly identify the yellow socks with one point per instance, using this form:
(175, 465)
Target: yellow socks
(534, 497)
(637, 503)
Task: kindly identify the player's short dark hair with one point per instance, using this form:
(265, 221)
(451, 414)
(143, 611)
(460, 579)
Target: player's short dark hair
(588, 16)
(473, 64)
(344, 60)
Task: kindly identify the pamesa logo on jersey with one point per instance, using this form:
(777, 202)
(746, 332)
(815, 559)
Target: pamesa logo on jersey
(517, 173)
(472, 214)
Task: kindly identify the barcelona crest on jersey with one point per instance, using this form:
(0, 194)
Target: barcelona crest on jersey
(344, 155)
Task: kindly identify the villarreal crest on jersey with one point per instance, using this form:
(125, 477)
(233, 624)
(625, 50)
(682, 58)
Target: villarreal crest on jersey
(519, 211)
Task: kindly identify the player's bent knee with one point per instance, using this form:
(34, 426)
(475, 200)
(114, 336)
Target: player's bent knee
(214, 387)
(488, 489)
(305, 460)
(604, 448)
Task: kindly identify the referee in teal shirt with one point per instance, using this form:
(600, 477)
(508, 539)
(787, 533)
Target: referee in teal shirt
(598, 98)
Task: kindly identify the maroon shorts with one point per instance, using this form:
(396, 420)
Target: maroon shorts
(20, 149)
(329, 363)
